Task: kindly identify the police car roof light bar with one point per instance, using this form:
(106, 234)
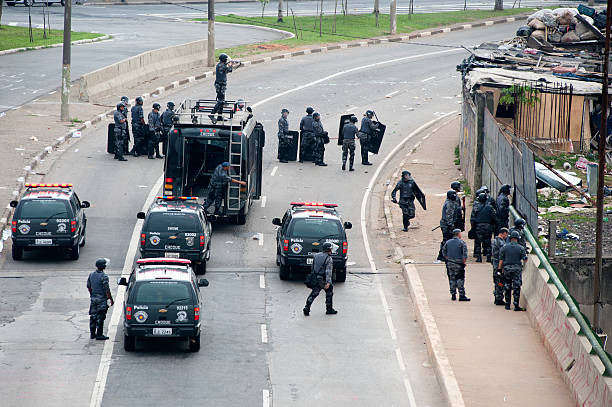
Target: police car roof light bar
(327, 205)
(178, 198)
(48, 185)
(163, 260)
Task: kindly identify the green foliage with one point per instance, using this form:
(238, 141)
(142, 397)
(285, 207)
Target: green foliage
(466, 187)
(524, 94)
(18, 37)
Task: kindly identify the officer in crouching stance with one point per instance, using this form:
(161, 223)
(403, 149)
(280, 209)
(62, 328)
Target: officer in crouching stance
(498, 282)
(283, 137)
(99, 294)
(455, 254)
(120, 131)
(406, 202)
(349, 131)
(511, 260)
(322, 267)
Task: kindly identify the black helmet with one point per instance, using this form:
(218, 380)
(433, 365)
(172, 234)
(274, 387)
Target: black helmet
(405, 172)
(156, 106)
(520, 223)
(505, 189)
(479, 191)
(353, 119)
(125, 99)
(482, 197)
(326, 247)
(120, 105)
(515, 235)
(284, 111)
(369, 113)
(101, 263)
(484, 189)
(309, 110)
(456, 186)
(139, 100)
(451, 194)
(316, 115)
(223, 57)
(503, 230)
(170, 105)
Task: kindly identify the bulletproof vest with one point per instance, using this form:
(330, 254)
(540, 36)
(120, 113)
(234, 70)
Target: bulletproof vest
(513, 254)
(221, 72)
(283, 126)
(454, 249)
(166, 118)
(349, 131)
(496, 247)
(405, 189)
(96, 281)
(118, 116)
(154, 121)
(366, 125)
(484, 215)
(219, 177)
(319, 263)
(306, 124)
(137, 114)
(317, 127)
(503, 205)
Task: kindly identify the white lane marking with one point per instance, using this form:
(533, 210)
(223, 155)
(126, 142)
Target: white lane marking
(391, 94)
(357, 68)
(52, 92)
(274, 170)
(428, 79)
(400, 359)
(107, 353)
(260, 238)
(265, 398)
(262, 281)
(264, 333)
(263, 201)
(410, 392)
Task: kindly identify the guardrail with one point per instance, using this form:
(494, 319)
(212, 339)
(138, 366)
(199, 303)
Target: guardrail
(585, 328)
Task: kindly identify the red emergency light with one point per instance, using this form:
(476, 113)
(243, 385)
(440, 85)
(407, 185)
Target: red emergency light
(178, 198)
(163, 260)
(326, 205)
(48, 185)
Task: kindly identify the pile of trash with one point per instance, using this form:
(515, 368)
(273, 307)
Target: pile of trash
(564, 25)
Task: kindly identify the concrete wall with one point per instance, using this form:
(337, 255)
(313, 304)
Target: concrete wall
(148, 65)
(569, 350)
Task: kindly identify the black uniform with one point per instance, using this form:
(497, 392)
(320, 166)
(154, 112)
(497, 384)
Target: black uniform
(166, 122)
(447, 223)
(155, 128)
(216, 188)
(503, 212)
(349, 131)
(97, 282)
(521, 240)
(138, 128)
(482, 220)
(220, 85)
(283, 139)
(320, 136)
(322, 266)
(365, 133)
(511, 256)
(307, 133)
(406, 201)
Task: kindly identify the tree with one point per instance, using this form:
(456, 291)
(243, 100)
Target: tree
(280, 11)
(263, 6)
(1, 13)
(499, 5)
(376, 10)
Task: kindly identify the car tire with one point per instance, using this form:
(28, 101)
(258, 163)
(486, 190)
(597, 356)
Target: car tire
(194, 343)
(84, 238)
(75, 253)
(129, 343)
(284, 272)
(63, 2)
(341, 275)
(28, 3)
(17, 253)
(201, 268)
(240, 219)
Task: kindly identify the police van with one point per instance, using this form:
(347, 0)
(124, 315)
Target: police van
(48, 215)
(301, 233)
(197, 145)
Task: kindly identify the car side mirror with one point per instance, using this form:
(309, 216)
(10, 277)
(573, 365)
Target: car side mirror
(202, 282)
(122, 281)
(13, 204)
(277, 222)
(85, 204)
(141, 215)
(348, 225)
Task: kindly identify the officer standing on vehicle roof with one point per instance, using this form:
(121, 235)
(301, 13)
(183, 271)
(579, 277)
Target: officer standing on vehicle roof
(406, 202)
(155, 127)
(120, 131)
(447, 221)
(366, 132)
(511, 260)
(223, 67)
(460, 203)
(482, 220)
(320, 139)
(138, 126)
(349, 132)
(283, 137)
(455, 254)
(307, 133)
(99, 293)
(166, 121)
(218, 182)
(503, 207)
(498, 282)
(322, 267)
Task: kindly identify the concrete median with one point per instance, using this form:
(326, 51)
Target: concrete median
(146, 66)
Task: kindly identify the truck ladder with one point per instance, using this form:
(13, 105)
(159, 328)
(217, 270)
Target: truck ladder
(235, 159)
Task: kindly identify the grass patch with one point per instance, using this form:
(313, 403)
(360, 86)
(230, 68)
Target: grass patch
(457, 158)
(349, 27)
(18, 37)
(465, 187)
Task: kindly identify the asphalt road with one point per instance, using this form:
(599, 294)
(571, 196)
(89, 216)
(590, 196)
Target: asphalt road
(367, 355)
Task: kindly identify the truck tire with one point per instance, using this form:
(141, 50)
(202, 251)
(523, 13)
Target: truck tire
(194, 343)
(341, 275)
(75, 252)
(240, 219)
(17, 252)
(284, 272)
(129, 343)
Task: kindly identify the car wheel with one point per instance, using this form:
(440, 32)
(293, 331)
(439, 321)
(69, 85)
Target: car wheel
(17, 253)
(84, 238)
(284, 272)
(129, 343)
(75, 252)
(63, 2)
(341, 275)
(28, 3)
(194, 343)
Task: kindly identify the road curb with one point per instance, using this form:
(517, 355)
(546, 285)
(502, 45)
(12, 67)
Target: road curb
(435, 347)
(86, 41)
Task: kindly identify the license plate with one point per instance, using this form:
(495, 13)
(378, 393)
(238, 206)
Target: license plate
(162, 331)
(309, 260)
(43, 242)
(172, 255)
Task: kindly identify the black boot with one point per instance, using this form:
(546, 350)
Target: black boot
(507, 305)
(99, 334)
(331, 311)
(499, 302)
(121, 158)
(479, 259)
(306, 310)
(343, 165)
(517, 308)
(464, 298)
(322, 164)
(157, 154)
(454, 297)
(92, 329)
(489, 258)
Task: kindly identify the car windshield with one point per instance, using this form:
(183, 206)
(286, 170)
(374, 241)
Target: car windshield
(315, 227)
(162, 292)
(43, 209)
(172, 221)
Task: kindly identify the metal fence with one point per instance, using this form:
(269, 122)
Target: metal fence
(468, 140)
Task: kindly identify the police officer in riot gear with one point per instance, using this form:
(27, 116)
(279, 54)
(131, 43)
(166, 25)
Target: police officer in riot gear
(406, 202)
(99, 294)
(519, 226)
(455, 255)
(216, 187)
(322, 267)
(503, 207)
(498, 282)
(460, 203)
(511, 259)
(284, 144)
(447, 221)
(166, 121)
(349, 132)
(484, 189)
(155, 127)
(482, 220)
(120, 131)
(138, 126)
(307, 134)
(320, 139)
(366, 132)
(222, 69)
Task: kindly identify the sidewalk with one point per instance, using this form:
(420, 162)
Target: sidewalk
(497, 357)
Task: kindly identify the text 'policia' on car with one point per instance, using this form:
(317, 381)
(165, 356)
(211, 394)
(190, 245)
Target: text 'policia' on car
(48, 215)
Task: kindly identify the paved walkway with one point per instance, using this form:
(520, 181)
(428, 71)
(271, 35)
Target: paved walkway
(497, 357)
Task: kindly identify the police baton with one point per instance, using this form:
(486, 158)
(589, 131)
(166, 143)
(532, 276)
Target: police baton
(437, 227)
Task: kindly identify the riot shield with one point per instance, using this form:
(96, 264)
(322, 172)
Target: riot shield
(344, 119)
(377, 138)
(110, 139)
(419, 195)
(306, 155)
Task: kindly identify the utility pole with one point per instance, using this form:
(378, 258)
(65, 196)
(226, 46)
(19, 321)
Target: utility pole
(393, 17)
(211, 32)
(65, 108)
(280, 11)
(600, 177)
(376, 10)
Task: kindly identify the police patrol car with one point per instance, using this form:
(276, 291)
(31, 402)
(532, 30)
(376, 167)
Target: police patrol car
(162, 300)
(48, 215)
(302, 232)
(176, 227)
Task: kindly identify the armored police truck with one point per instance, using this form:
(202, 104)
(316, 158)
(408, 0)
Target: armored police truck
(199, 141)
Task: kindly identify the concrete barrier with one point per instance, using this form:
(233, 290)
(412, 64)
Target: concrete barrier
(570, 350)
(145, 66)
